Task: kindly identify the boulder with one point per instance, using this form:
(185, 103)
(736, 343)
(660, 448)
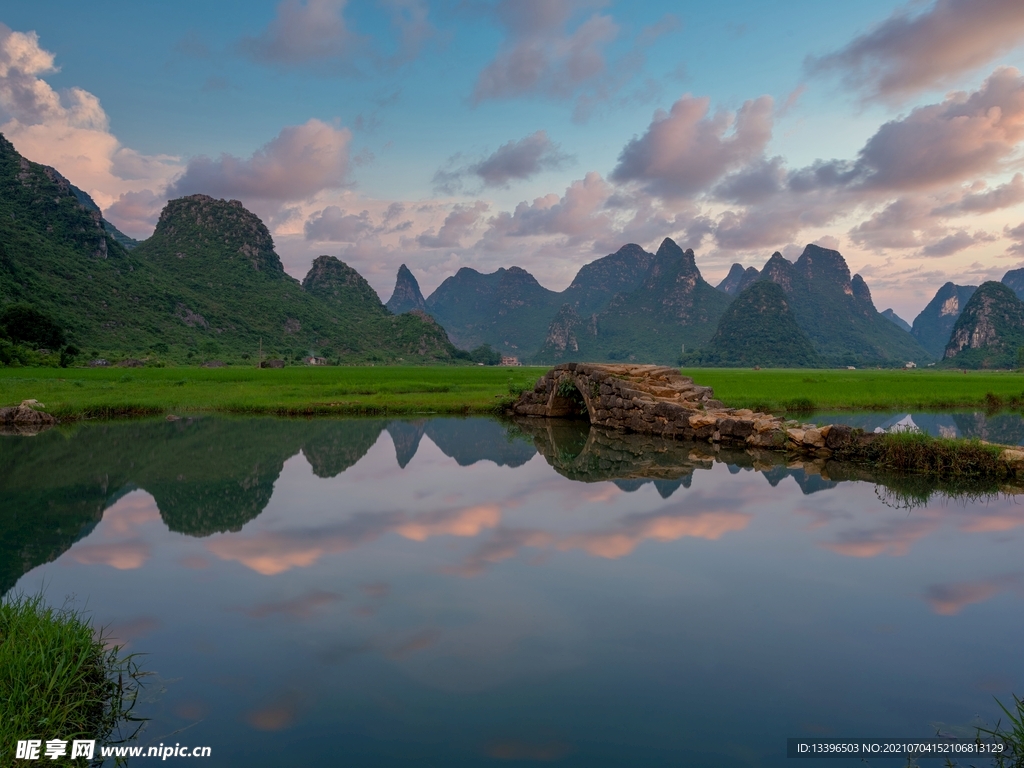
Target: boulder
(26, 418)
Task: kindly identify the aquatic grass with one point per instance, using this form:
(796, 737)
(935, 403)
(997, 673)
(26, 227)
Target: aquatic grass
(910, 451)
(59, 679)
(1012, 738)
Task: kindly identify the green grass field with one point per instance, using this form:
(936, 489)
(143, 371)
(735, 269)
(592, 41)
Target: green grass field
(107, 392)
(97, 392)
(777, 390)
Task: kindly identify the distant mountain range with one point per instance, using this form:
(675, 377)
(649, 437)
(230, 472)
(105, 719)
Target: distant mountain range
(634, 305)
(209, 284)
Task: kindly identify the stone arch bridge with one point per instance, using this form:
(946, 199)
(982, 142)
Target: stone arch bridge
(659, 400)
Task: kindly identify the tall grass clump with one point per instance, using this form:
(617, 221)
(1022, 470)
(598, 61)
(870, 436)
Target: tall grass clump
(909, 451)
(1011, 737)
(58, 679)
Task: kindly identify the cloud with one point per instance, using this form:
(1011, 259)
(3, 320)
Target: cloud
(136, 213)
(314, 35)
(578, 213)
(334, 225)
(908, 53)
(686, 150)
(955, 243)
(540, 54)
(307, 33)
(1004, 196)
(299, 162)
(964, 136)
(459, 223)
(514, 160)
(68, 130)
(519, 160)
(411, 26)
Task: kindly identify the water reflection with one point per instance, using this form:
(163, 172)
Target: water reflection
(471, 592)
(1002, 428)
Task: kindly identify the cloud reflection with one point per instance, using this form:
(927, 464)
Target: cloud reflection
(124, 555)
(950, 599)
(273, 552)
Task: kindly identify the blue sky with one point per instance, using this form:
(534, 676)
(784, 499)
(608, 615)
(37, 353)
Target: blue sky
(546, 134)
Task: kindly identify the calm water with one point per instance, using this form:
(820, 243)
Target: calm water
(453, 592)
(1003, 428)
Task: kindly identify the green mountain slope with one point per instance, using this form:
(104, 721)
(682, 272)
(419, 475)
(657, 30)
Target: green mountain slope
(230, 290)
(599, 281)
(507, 309)
(207, 284)
(511, 311)
(674, 309)
(758, 328)
(989, 331)
(836, 311)
(935, 322)
(56, 255)
(89, 204)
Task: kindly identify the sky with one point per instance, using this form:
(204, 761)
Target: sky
(546, 133)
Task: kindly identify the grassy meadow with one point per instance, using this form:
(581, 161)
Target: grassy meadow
(776, 390)
(109, 392)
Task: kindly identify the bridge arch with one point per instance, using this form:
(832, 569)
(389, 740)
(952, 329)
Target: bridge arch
(570, 399)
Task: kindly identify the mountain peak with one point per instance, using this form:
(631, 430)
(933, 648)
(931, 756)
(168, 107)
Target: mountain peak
(817, 262)
(738, 279)
(196, 222)
(407, 296)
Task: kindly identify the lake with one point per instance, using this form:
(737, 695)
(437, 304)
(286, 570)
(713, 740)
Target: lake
(466, 592)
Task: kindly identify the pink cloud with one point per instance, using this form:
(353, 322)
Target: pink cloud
(964, 136)
(540, 54)
(457, 225)
(304, 33)
(299, 162)
(908, 53)
(68, 130)
(579, 212)
(685, 150)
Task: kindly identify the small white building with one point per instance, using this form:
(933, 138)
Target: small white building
(910, 364)
(313, 360)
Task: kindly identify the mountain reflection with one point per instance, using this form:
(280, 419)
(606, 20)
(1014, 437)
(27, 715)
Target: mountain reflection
(211, 476)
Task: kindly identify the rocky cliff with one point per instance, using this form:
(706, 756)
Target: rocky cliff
(990, 331)
(935, 322)
(407, 296)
